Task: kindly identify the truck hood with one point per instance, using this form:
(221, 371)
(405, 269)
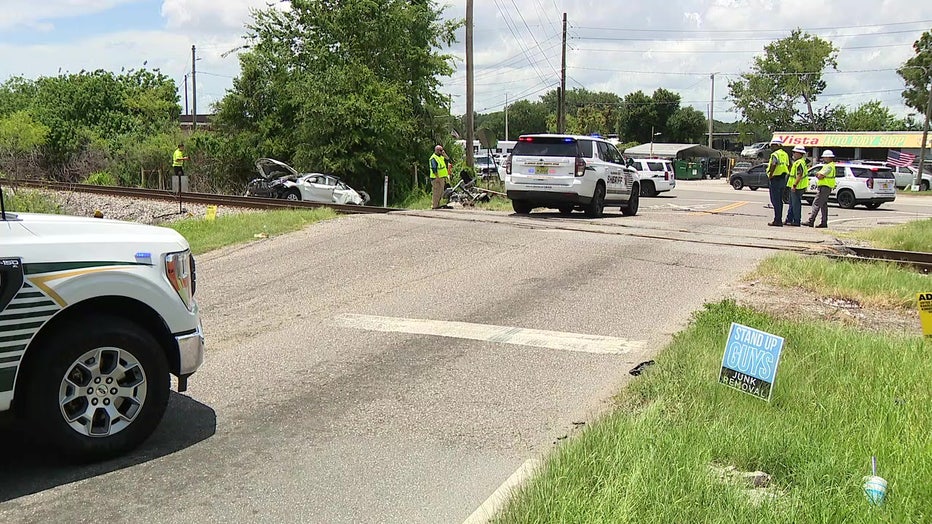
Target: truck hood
(93, 238)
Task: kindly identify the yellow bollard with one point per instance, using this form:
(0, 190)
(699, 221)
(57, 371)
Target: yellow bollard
(211, 212)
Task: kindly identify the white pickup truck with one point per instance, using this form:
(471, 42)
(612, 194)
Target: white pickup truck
(94, 317)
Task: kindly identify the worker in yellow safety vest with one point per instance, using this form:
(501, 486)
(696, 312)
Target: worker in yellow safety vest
(439, 175)
(178, 160)
(797, 184)
(826, 183)
(777, 169)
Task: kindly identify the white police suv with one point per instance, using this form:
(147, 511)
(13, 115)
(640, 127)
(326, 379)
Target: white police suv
(569, 172)
(94, 316)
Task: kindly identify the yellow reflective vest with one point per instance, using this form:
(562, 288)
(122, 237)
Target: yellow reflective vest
(442, 170)
(828, 170)
(781, 160)
(177, 158)
(798, 178)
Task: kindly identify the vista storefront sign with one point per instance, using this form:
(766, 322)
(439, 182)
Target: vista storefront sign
(879, 140)
(750, 361)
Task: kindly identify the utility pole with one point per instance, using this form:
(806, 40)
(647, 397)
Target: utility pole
(186, 94)
(193, 90)
(561, 112)
(470, 124)
(925, 136)
(711, 105)
(506, 117)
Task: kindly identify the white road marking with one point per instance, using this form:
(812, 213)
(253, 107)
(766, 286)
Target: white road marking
(489, 333)
(497, 500)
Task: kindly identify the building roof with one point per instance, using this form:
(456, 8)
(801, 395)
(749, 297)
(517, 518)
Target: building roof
(664, 150)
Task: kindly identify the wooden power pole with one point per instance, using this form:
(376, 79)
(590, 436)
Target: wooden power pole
(193, 91)
(470, 124)
(561, 112)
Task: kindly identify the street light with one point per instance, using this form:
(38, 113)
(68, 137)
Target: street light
(652, 135)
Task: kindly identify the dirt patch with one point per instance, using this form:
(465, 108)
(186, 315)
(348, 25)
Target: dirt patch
(785, 303)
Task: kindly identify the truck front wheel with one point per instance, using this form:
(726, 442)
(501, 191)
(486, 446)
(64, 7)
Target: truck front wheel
(96, 389)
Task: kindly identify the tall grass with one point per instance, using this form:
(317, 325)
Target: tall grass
(204, 235)
(911, 236)
(869, 283)
(840, 397)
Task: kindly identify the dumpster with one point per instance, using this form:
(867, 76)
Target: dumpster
(684, 170)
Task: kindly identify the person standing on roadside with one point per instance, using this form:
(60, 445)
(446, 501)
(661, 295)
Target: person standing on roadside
(826, 183)
(178, 160)
(797, 182)
(777, 169)
(439, 175)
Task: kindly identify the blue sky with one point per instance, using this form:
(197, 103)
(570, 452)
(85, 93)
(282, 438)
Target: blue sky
(613, 45)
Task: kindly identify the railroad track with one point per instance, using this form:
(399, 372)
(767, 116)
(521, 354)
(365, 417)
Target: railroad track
(915, 259)
(200, 198)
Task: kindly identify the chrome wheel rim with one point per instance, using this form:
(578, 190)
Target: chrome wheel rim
(102, 392)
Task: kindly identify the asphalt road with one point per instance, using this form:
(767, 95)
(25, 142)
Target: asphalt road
(400, 368)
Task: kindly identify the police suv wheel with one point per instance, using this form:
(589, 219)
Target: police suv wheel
(97, 389)
(597, 205)
(631, 208)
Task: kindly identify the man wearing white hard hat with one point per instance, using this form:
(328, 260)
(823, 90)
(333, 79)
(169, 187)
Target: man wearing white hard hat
(777, 169)
(826, 183)
(797, 183)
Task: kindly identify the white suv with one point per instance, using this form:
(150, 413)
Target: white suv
(569, 172)
(856, 183)
(654, 174)
(905, 175)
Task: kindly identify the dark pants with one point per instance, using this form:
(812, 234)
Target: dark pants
(777, 184)
(794, 215)
(820, 205)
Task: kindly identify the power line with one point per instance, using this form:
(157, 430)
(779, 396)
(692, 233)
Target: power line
(756, 39)
(686, 73)
(807, 29)
(720, 51)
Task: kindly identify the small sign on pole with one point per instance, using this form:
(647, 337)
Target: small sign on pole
(925, 313)
(211, 212)
(750, 361)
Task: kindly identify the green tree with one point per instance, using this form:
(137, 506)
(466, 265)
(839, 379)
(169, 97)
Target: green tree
(20, 139)
(636, 117)
(789, 73)
(871, 116)
(686, 125)
(346, 87)
(917, 74)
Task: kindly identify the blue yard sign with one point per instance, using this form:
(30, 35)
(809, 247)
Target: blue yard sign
(750, 361)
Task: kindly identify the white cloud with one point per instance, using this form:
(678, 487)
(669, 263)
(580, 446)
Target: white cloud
(208, 15)
(34, 14)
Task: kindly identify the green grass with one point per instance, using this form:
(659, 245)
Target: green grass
(876, 284)
(911, 236)
(840, 396)
(204, 235)
(29, 201)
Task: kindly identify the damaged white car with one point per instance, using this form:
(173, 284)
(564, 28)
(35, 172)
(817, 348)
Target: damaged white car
(279, 180)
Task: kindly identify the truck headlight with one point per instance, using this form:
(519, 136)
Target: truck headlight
(179, 269)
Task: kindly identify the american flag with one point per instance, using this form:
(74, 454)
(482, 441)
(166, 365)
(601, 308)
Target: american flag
(898, 159)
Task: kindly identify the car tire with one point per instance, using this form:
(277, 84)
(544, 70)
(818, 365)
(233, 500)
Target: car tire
(566, 210)
(631, 208)
(596, 206)
(924, 185)
(753, 188)
(293, 194)
(648, 189)
(737, 183)
(92, 354)
(522, 207)
(872, 205)
(846, 199)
